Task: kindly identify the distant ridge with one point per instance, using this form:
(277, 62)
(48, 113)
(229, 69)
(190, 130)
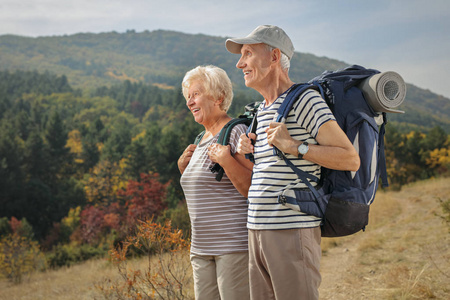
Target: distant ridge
(162, 57)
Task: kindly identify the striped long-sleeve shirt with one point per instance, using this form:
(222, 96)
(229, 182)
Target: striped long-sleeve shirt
(271, 175)
(218, 212)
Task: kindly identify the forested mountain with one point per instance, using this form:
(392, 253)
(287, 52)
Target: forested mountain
(161, 58)
(92, 126)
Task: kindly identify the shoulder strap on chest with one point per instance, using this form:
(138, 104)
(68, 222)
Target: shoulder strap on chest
(291, 98)
(284, 109)
(199, 138)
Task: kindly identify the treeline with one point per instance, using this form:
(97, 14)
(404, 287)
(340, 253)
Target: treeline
(78, 168)
(416, 155)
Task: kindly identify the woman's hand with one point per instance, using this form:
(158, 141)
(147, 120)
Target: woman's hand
(236, 167)
(219, 153)
(185, 158)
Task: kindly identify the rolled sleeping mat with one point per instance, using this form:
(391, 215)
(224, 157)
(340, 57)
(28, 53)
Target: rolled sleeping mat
(384, 91)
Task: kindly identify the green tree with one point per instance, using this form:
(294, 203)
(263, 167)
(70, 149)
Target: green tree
(36, 159)
(90, 154)
(23, 124)
(116, 144)
(137, 158)
(12, 175)
(435, 139)
(56, 137)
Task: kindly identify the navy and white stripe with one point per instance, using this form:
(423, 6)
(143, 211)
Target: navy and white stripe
(271, 175)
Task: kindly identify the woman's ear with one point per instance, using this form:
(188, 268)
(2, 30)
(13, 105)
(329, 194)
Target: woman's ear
(219, 101)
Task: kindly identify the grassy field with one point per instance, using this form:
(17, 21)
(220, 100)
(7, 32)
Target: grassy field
(404, 254)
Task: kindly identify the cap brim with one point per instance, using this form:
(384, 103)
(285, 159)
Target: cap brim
(235, 45)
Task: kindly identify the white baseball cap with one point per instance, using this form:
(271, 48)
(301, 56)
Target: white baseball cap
(268, 34)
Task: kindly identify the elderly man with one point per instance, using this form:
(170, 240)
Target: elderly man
(284, 245)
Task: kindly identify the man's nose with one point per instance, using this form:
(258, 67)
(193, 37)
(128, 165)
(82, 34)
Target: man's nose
(240, 64)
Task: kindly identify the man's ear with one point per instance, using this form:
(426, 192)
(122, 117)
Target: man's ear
(276, 55)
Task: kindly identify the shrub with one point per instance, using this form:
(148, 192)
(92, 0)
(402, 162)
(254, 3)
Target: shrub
(19, 256)
(68, 255)
(167, 275)
(5, 228)
(179, 218)
(22, 228)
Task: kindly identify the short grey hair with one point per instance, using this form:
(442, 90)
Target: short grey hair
(215, 80)
(285, 62)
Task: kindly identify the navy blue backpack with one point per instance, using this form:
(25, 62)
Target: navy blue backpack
(341, 198)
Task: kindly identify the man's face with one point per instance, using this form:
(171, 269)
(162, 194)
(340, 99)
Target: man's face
(255, 62)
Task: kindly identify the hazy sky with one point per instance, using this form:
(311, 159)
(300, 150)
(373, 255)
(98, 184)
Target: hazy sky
(411, 37)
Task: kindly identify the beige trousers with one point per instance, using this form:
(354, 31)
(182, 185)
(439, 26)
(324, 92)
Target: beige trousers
(284, 264)
(223, 277)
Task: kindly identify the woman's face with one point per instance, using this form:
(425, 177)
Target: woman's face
(200, 104)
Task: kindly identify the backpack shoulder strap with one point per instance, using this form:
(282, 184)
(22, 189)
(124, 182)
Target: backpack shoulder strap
(284, 109)
(199, 138)
(225, 132)
(291, 98)
(224, 139)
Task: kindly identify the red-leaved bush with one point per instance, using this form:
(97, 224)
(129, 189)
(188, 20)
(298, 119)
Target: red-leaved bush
(141, 200)
(145, 198)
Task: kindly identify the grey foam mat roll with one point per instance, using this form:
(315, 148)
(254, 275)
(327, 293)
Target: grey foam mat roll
(384, 91)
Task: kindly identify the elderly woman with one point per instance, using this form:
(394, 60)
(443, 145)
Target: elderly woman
(218, 210)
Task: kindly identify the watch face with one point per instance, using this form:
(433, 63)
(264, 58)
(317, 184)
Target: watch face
(302, 149)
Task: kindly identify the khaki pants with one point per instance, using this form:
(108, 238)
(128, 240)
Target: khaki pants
(284, 264)
(223, 277)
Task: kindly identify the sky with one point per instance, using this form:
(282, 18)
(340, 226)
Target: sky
(410, 37)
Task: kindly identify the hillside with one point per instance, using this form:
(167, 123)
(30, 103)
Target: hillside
(157, 57)
(403, 254)
(162, 57)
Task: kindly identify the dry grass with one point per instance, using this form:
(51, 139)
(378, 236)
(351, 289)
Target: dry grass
(80, 282)
(404, 254)
(76, 282)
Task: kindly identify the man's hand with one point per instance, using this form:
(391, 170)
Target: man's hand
(185, 158)
(245, 145)
(278, 136)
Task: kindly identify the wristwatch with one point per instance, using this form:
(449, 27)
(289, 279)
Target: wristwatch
(302, 149)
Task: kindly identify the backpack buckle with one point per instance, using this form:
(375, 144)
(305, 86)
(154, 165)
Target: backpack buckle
(216, 168)
(282, 199)
(278, 152)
